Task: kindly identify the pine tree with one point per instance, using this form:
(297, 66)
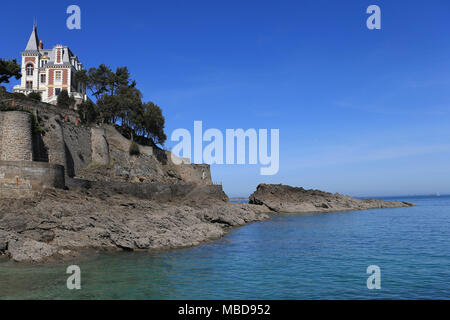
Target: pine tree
(9, 69)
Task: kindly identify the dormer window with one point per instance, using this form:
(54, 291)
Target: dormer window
(30, 69)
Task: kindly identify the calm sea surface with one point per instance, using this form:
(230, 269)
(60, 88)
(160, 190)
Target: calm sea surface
(322, 256)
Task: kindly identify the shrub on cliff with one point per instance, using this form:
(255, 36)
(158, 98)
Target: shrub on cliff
(35, 96)
(64, 100)
(87, 112)
(19, 95)
(134, 149)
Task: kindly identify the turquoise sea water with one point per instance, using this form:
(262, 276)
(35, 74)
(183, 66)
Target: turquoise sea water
(321, 256)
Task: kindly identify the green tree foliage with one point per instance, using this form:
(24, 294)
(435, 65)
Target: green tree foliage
(20, 95)
(149, 122)
(82, 77)
(9, 69)
(87, 111)
(118, 101)
(35, 96)
(99, 78)
(64, 100)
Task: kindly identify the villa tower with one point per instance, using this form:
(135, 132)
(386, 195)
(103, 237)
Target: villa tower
(49, 71)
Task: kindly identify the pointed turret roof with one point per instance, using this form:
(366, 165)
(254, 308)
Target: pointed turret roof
(33, 42)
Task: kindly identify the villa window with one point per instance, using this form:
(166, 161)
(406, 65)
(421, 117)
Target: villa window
(29, 84)
(43, 78)
(57, 91)
(30, 69)
(58, 75)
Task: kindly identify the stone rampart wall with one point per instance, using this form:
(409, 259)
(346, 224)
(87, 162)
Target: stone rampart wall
(22, 179)
(17, 142)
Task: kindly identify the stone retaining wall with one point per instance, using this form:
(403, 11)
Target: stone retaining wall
(54, 141)
(1, 133)
(22, 179)
(100, 146)
(64, 141)
(77, 140)
(17, 142)
(161, 192)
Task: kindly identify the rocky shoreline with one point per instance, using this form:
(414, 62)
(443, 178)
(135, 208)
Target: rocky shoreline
(283, 198)
(61, 224)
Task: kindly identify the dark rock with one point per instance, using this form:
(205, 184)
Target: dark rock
(3, 240)
(281, 198)
(140, 217)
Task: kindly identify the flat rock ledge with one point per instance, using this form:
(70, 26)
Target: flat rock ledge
(63, 224)
(283, 198)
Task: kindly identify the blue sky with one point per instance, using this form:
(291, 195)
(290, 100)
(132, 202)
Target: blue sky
(361, 112)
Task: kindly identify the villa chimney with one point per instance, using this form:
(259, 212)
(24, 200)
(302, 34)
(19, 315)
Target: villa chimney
(41, 45)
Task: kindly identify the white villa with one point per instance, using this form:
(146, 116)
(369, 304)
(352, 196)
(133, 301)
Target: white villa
(49, 71)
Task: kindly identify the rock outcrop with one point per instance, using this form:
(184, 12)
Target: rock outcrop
(64, 223)
(282, 198)
(111, 161)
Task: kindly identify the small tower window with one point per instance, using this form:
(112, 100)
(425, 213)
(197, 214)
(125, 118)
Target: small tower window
(43, 78)
(30, 69)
